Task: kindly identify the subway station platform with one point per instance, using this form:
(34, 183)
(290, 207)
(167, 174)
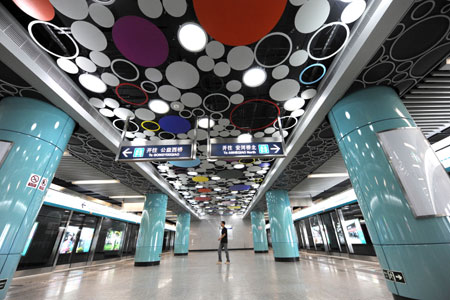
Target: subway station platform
(197, 276)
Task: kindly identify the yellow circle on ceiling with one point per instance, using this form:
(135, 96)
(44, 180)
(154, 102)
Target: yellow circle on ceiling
(258, 180)
(152, 122)
(247, 163)
(200, 178)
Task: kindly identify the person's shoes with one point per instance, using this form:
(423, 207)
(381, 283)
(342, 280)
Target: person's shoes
(219, 262)
(228, 262)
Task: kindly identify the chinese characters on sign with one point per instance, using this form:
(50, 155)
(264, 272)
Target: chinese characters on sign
(253, 149)
(156, 152)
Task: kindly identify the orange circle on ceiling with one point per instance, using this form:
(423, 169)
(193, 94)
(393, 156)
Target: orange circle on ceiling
(204, 191)
(202, 198)
(39, 9)
(238, 22)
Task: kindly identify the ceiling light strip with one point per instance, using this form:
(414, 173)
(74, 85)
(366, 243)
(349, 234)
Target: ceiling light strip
(380, 19)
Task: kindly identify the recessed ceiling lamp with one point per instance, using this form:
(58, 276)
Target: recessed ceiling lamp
(192, 173)
(215, 178)
(192, 37)
(353, 11)
(254, 77)
(203, 123)
(159, 106)
(294, 104)
(217, 189)
(101, 181)
(234, 192)
(92, 83)
(239, 166)
(327, 175)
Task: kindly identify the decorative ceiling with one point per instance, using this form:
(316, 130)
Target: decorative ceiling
(127, 57)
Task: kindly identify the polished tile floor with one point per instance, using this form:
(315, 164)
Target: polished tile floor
(197, 276)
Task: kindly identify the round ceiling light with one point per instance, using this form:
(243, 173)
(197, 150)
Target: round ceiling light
(192, 37)
(353, 11)
(192, 173)
(159, 106)
(239, 166)
(203, 123)
(92, 83)
(254, 77)
(294, 104)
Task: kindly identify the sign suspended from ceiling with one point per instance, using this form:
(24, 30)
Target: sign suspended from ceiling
(248, 148)
(157, 150)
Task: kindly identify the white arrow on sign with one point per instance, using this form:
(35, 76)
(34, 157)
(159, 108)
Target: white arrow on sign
(399, 277)
(276, 148)
(126, 152)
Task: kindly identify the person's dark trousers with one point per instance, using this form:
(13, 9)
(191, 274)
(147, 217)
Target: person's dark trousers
(225, 247)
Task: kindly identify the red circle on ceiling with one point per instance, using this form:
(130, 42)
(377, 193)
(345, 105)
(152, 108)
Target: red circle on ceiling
(202, 198)
(204, 191)
(135, 86)
(255, 100)
(39, 9)
(239, 22)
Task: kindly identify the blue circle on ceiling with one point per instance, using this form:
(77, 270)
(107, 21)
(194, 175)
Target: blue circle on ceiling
(324, 70)
(264, 165)
(185, 163)
(240, 187)
(174, 124)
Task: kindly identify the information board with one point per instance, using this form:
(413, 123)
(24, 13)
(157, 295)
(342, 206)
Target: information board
(254, 148)
(5, 146)
(157, 150)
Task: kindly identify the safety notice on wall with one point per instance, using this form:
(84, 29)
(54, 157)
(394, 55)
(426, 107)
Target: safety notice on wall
(33, 181)
(3, 283)
(394, 276)
(43, 184)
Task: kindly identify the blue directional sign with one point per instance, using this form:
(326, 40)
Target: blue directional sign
(256, 148)
(161, 150)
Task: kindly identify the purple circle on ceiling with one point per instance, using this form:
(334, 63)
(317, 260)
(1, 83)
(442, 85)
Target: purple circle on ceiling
(174, 124)
(140, 41)
(264, 165)
(240, 187)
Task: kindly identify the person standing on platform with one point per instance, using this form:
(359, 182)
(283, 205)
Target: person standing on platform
(223, 244)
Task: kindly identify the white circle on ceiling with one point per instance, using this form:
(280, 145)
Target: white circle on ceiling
(145, 86)
(127, 62)
(201, 134)
(224, 133)
(177, 106)
(222, 69)
(149, 133)
(191, 100)
(59, 29)
(169, 93)
(205, 63)
(123, 113)
(182, 136)
(312, 15)
(254, 77)
(151, 8)
(280, 72)
(236, 99)
(286, 127)
(258, 134)
(353, 11)
(67, 65)
(277, 134)
(185, 114)
(159, 106)
(144, 114)
(192, 37)
(182, 75)
(110, 79)
(175, 8)
(85, 64)
(198, 112)
(234, 85)
(88, 35)
(101, 15)
(215, 50)
(284, 90)
(347, 31)
(74, 9)
(218, 127)
(106, 112)
(140, 137)
(216, 94)
(298, 58)
(240, 58)
(100, 59)
(297, 113)
(235, 132)
(294, 104)
(308, 94)
(92, 83)
(95, 102)
(224, 122)
(112, 103)
(281, 61)
(297, 2)
(153, 74)
(154, 138)
(269, 130)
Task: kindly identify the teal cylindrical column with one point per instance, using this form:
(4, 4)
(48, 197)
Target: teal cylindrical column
(151, 232)
(182, 234)
(282, 230)
(259, 232)
(419, 248)
(39, 133)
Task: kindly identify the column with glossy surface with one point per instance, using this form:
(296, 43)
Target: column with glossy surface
(182, 234)
(259, 232)
(151, 232)
(39, 133)
(282, 230)
(419, 248)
